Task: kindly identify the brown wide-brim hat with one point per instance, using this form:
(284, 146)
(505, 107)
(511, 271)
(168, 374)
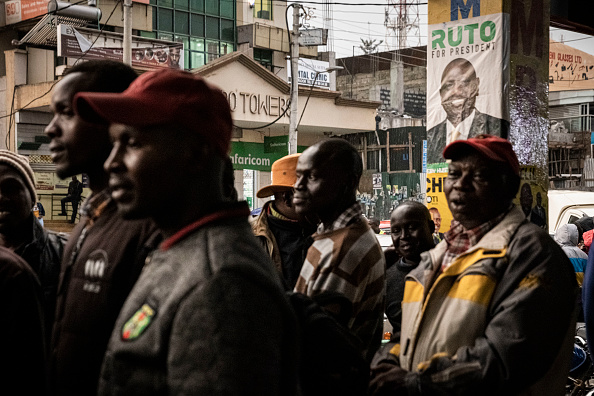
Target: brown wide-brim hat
(283, 176)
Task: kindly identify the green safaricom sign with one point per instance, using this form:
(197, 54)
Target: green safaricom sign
(247, 155)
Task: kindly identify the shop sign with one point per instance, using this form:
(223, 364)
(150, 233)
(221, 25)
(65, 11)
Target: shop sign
(276, 144)
(146, 53)
(311, 72)
(246, 155)
(44, 181)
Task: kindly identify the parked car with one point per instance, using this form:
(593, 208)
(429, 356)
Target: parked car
(567, 206)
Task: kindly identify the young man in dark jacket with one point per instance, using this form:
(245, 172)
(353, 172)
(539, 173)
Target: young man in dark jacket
(22, 233)
(208, 315)
(105, 253)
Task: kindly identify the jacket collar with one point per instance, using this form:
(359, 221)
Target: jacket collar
(496, 239)
(233, 210)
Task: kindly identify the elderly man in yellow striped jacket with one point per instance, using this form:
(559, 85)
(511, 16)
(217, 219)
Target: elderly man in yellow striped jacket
(489, 310)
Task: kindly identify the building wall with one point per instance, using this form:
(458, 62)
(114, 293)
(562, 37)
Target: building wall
(368, 86)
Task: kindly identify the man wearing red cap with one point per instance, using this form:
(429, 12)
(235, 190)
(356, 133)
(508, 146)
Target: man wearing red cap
(491, 311)
(208, 315)
(278, 227)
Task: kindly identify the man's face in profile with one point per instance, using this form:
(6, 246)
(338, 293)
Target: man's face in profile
(459, 88)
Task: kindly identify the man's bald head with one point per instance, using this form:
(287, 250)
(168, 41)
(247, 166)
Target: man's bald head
(342, 156)
(328, 175)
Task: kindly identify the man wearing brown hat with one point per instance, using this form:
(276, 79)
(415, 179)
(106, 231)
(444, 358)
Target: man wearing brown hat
(208, 315)
(491, 310)
(23, 234)
(278, 227)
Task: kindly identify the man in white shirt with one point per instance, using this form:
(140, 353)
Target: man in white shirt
(459, 89)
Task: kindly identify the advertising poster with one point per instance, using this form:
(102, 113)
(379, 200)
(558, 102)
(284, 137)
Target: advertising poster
(146, 55)
(569, 68)
(532, 196)
(21, 10)
(467, 81)
(436, 175)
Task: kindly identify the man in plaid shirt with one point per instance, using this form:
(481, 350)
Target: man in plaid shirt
(345, 269)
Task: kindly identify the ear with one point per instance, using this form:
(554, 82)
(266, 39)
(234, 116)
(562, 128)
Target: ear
(431, 226)
(288, 198)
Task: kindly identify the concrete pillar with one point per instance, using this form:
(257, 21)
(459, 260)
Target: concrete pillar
(16, 74)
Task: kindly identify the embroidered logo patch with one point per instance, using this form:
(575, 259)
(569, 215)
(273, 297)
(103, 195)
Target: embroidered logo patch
(137, 323)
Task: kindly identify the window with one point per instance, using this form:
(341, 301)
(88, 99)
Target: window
(212, 28)
(212, 7)
(166, 20)
(263, 56)
(263, 9)
(182, 23)
(206, 27)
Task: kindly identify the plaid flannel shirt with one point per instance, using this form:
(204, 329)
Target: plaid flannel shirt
(459, 239)
(350, 215)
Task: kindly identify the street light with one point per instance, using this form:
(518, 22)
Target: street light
(327, 70)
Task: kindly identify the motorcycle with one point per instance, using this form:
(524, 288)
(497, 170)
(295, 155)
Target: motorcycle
(580, 381)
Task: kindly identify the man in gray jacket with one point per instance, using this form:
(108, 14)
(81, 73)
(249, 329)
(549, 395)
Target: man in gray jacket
(208, 315)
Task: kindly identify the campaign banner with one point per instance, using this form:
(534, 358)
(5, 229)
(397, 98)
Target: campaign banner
(467, 80)
(436, 198)
(146, 53)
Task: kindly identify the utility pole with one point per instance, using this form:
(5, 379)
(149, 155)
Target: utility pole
(294, 80)
(127, 44)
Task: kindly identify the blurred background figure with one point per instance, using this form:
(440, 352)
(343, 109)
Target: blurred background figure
(436, 217)
(23, 234)
(374, 223)
(284, 237)
(39, 212)
(567, 236)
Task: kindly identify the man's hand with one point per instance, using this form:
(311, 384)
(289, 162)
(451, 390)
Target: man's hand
(387, 380)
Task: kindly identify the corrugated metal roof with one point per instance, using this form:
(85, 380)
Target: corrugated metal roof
(44, 33)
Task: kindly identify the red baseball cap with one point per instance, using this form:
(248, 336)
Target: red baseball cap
(160, 97)
(493, 147)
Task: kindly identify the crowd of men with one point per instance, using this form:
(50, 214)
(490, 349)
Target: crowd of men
(164, 286)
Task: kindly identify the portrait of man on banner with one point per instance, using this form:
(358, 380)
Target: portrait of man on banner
(465, 85)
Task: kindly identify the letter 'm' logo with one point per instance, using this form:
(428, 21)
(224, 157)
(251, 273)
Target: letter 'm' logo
(464, 8)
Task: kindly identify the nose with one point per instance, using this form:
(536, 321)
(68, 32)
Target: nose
(299, 185)
(114, 163)
(52, 129)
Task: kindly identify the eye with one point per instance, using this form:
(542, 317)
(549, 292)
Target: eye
(453, 173)
(133, 143)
